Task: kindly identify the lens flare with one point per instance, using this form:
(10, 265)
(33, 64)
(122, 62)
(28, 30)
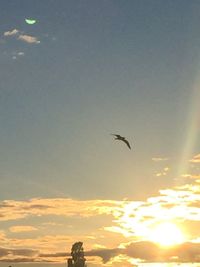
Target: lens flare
(30, 21)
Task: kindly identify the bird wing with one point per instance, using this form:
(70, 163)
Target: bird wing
(117, 135)
(127, 143)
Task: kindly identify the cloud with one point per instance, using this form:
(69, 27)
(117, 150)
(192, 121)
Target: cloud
(144, 251)
(128, 219)
(191, 176)
(160, 159)
(150, 252)
(3, 252)
(55, 255)
(195, 159)
(28, 39)
(105, 254)
(12, 210)
(160, 174)
(176, 205)
(22, 228)
(43, 242)
(23, 252)
(11, 33)
(21, 36)
(112, 223)
(163, 172)
(17, 55)
(20, 53)
(18, 260)
(7, 254)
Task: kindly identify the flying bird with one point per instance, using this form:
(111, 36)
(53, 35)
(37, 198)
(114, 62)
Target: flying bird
(121, 138)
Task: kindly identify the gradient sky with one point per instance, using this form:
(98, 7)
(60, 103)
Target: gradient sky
(84, 70)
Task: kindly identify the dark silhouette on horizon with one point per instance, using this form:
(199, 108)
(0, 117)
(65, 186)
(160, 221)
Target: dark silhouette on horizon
(121, 138)
(77, 254)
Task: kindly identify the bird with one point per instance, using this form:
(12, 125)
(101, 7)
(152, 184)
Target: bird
(121, 138)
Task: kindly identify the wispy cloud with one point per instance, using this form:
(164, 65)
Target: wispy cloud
(19, 35)
(163, 172)
(17, 55)
(20, 53)
(196, 159)
(28, 39)
(7, 254)
(191, 176)
(157, 159)
(22, 228)
(11, 33)
(12, 210)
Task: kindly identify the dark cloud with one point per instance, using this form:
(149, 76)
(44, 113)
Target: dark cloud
(17, 260)
(54, 255)
(105, 254)
(150, 252)
(17, 252)
(188, 252)
(143, 250)
(4, 204)
(3, 252)
(25, 260)
(24, 252)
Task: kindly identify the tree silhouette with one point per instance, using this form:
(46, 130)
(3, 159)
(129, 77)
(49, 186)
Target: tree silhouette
(77, 254)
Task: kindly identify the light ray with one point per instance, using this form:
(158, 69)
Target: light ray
(193, 122)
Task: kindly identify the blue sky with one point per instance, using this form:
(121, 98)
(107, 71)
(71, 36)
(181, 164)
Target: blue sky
(84, 70)
(100, 67)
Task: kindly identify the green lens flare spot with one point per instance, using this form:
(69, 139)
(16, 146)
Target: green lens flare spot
(30, 21)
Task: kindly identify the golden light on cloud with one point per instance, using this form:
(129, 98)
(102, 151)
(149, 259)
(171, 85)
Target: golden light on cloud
(195, 159)
(22, 228)
(166, 234)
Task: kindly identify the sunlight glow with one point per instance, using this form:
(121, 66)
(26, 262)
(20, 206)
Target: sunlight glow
(191, 135)
(166, 234)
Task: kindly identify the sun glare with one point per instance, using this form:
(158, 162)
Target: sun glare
(166, 234)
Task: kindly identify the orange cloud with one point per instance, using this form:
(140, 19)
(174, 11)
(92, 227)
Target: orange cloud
(196, 159)
(22, 228)
(191, 176)
(12, 210)
(110, 224)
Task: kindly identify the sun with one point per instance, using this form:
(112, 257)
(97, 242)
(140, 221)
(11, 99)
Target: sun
(166, 234)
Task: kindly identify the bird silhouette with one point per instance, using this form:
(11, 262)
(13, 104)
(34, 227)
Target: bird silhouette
(121, 138)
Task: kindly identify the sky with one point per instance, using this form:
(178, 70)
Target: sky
(83, 71)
